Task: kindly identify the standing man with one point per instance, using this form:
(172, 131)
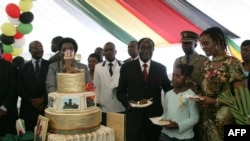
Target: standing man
(31, 86)
(99, 51)
(54, 48)
(106, 78)
(8, 96)
(133, 87)
(189, 42)
(245, 54)
(132, 51)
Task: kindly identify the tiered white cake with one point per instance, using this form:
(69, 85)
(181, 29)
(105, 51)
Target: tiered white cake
(71, 110)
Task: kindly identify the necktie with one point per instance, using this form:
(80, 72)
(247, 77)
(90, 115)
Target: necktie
(188, 59)
(145, 74)
(110, 69)
(37, 67)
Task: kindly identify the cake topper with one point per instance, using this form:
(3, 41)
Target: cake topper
(69, 63)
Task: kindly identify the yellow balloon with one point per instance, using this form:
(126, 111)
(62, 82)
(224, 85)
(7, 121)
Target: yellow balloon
(8, 29)
(17, 51)
(25, 5)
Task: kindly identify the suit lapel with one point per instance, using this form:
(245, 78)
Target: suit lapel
(105, 68)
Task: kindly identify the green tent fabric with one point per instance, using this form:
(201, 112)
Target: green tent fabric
(103, 21)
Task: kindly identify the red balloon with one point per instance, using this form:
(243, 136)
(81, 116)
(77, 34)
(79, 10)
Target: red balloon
(18, 35)
(7, 57)
(12, 10)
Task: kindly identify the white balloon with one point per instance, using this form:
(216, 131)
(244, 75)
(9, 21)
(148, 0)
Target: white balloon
(19, 42)
(14, 21)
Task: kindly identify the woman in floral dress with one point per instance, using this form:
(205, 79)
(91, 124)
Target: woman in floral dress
(222, 73)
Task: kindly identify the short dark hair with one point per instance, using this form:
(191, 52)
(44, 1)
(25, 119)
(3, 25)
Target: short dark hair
(18, 61)
(186, 69)
(68, 40)
(139, 42)
(245, 43)
(57, 38)
(96, 56)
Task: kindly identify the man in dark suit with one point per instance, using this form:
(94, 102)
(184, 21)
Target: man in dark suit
(132, 51)
(54, 48)
(31, 86)
(134, 87)
(8, 96)
(99, 51)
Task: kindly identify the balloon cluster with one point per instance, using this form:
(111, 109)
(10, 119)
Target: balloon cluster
(19, 24)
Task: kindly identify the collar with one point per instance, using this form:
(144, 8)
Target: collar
(34, 60)
(191, 55)
(113, 62)
(135, 58)
(148, 62)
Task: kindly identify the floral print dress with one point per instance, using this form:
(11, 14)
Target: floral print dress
(215, 82)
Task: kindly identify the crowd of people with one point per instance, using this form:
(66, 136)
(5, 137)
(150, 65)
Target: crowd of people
(120, 84)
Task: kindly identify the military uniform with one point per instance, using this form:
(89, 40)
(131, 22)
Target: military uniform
(195, 59)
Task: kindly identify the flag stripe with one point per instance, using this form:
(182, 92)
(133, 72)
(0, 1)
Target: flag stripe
(126, 20)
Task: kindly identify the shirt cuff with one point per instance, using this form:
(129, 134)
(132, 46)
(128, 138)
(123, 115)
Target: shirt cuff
(3, 108)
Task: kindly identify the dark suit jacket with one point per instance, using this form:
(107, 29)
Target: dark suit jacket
(56, 57)
(127, 60)
(132, 86)
(8, 96)
(31, 85)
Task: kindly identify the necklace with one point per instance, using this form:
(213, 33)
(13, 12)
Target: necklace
(217, 61)
(219, 58)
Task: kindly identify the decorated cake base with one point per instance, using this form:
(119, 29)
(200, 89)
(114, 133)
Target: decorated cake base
(102, 134)
(73, 123)
(71, 102)
(71, 113)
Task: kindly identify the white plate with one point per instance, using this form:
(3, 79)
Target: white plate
(135, 105)
(193, 97)
(159, 121)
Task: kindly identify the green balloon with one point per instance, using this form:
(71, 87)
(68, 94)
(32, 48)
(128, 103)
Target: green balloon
(24, 28)
(7, 48)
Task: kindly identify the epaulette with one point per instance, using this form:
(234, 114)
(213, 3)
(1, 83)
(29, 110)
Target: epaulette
(181, 59)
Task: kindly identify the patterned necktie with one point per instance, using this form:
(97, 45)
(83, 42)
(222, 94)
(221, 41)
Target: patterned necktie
(110, 69)
(37, 67)
(145, 74)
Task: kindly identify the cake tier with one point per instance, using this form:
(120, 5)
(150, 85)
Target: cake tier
(102, 134)
(71, 102)
(70, 82)
(73, 123)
